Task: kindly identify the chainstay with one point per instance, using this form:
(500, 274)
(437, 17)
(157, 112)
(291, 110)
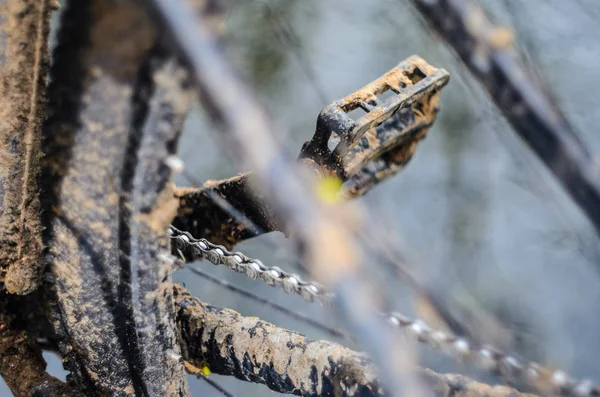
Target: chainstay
(556, 382)
(193, 248)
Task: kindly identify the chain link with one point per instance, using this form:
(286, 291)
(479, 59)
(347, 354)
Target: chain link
(552, 382)
(555, 382)
(193, 248)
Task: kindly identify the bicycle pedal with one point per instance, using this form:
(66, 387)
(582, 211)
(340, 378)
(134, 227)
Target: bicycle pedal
(337, 131)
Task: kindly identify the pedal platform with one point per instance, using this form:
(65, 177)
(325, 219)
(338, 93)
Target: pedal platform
(398, 109)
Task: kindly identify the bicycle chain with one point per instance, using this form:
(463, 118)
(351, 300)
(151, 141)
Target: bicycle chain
(486, 357)
(551, 382)
(252, 268)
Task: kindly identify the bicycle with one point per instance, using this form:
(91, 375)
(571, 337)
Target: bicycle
(118, 97)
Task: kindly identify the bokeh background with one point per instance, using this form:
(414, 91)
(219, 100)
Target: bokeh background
(473, 207)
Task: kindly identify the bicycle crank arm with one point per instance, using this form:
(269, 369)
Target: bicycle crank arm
(380, 144)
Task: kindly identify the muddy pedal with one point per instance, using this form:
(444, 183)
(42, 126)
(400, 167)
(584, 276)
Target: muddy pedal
(398, 107)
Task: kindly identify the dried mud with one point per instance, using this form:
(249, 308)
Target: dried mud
(24, 59)
(21, 363)
(287, 362)
(199, 215)
(117, 106)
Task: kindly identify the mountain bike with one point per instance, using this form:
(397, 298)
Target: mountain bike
(92, 227)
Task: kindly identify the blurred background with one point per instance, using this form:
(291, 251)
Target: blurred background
(474, 207)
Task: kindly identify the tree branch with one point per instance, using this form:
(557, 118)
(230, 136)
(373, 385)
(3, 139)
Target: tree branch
(287, 362)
